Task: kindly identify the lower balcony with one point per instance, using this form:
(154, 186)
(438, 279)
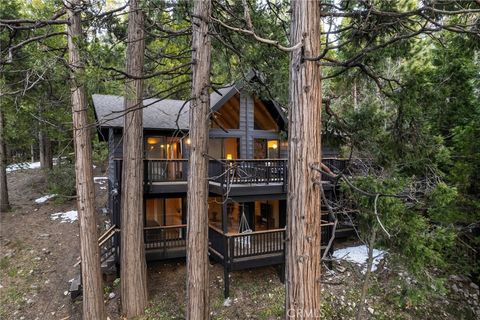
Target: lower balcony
(165, 242)
(234, 250)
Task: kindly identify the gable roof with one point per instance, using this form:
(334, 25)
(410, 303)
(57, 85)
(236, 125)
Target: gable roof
(157, 114)
(163, 114)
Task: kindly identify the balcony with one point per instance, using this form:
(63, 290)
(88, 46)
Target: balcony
(265, 171)
(237, 250)
(165, 242)
(240, 175)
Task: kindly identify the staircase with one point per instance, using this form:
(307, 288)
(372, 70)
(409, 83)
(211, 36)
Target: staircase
(107, 260)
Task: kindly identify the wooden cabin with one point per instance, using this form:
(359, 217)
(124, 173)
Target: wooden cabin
(247, 177)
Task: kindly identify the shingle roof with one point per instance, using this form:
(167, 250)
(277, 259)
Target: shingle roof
(157, 114)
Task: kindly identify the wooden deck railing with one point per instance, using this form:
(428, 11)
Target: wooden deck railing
(256, 243)
(165, 237)
(242, 171)
(164, 170)
(231, 246)
(239, 171)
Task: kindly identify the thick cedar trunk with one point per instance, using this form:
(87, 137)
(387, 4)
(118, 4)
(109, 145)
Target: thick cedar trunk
(197, 246)
(45, 147)
(303, 209)
(133, 265)
(93, 306)
(4, 203)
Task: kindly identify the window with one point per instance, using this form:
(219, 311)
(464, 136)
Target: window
(163, 212)
(263, 119)
(267, 214)
(161, 147)
(215, 214)
(266, 149)
(224, 148)
(228, 116)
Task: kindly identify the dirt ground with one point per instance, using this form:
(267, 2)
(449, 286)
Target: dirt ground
(37, 257)
(37, 253)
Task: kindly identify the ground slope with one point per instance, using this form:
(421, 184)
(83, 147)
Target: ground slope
(37, 257)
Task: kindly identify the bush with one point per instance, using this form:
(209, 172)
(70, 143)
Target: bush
(61, 180)
(100, 151)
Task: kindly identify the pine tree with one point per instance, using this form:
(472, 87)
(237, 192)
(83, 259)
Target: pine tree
(133, 265)
(197, 242)
(303, 210)
(93, 306)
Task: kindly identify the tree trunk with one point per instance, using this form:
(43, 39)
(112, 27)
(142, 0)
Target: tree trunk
(45, 147)
(303, 209)
(197, 246)
(4, 203)
(366, 280)
(32, 152)
(93, 306)
(133, 265)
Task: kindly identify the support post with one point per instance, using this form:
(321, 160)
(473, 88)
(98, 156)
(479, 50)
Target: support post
(226, 281)
(226, 253)
(224, 216)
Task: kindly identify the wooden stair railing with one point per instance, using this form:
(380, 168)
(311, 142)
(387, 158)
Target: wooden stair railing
(105, 253)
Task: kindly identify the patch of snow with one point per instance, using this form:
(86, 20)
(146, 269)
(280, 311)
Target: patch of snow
(23, 165)
(69, 216)
(227, 302)
(359, 255)
(32, 165)
(100, 180)
(44, 198)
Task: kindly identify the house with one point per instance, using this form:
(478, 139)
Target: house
(247, 177)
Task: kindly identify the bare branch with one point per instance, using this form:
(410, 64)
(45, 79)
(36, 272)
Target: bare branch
(274, 43)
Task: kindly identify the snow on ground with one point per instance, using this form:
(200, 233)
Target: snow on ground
(359, 255)
(100, 180)
(23, 165)
(44, 198)
(69, 216)
(30, 165)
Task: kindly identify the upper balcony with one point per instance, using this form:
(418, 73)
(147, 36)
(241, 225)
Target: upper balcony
(239, 177)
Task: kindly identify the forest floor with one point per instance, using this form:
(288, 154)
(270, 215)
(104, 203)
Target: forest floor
(37, 257)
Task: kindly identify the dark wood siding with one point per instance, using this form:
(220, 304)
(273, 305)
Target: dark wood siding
(117, 144)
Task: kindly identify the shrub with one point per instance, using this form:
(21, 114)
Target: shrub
(61, 180)
(100, 151)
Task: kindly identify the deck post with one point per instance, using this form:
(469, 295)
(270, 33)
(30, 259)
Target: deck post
(226, 281)
(226, 254)
(224, 216)
(281, 272)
